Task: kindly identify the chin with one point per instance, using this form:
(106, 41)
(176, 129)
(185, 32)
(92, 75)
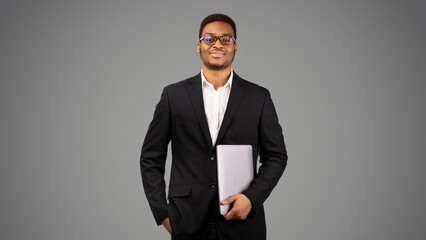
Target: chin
(217, 66)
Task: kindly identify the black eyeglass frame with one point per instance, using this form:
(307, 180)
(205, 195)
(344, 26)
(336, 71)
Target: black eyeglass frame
(220, 39)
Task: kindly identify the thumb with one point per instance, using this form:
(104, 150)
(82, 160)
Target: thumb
(229, 200)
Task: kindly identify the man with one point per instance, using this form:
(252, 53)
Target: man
(214, 107)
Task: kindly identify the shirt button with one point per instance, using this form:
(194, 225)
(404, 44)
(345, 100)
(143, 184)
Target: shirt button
(212, 157)
(213, 186)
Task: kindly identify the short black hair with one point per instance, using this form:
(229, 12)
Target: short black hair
(217, 17)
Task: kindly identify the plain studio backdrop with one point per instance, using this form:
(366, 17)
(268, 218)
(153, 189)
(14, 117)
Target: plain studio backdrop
(80, 80)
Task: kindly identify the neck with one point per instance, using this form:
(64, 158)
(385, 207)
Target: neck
(217, 78)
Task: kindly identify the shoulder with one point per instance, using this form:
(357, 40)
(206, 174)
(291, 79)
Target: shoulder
(254, 88)
(182, 84)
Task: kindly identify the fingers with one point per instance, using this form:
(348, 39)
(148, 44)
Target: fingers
(240, 209)
(229, 200)
(236, 214)
(229, 215)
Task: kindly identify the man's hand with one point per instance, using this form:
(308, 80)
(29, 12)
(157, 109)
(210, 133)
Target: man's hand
(241, 208)
(166, 224)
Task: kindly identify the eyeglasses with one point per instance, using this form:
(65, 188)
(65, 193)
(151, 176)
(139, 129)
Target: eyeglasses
(211, 40)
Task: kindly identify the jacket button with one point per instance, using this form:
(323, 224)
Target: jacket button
(213, 186)
(212, 157)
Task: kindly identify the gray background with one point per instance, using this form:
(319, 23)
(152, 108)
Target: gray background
(80, 79)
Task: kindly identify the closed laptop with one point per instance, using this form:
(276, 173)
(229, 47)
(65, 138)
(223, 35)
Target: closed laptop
(234, 170)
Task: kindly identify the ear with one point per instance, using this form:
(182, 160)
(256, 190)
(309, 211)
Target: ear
(236, 48)
(198, 47)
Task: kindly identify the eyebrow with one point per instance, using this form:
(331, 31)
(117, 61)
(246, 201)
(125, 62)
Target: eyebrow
(226, 34)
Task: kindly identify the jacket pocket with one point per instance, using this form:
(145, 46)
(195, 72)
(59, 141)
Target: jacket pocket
(179, 191)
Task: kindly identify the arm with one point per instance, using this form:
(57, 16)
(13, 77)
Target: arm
(153, 159)
(273, 155)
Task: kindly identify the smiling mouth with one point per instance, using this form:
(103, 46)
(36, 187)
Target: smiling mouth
(217, 54)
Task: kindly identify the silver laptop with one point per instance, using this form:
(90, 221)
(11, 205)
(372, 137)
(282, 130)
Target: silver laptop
(234, 171)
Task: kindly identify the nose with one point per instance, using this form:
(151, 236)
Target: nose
(218, 43)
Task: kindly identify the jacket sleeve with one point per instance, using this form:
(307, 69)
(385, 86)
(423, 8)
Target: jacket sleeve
(153, 159)
(272, 152)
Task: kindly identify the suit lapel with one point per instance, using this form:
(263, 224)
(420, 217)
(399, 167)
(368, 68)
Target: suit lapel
(238, 90)
(196, 94)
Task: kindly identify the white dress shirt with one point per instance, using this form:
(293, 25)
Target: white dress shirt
(215, 102)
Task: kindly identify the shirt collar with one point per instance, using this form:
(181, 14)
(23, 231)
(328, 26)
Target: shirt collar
(228, 83)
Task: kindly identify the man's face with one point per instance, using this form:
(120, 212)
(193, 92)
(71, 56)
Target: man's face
(217, 56)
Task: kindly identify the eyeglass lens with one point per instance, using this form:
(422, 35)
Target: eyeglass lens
(226, 40)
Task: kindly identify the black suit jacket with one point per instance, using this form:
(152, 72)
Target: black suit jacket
(179, 117)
